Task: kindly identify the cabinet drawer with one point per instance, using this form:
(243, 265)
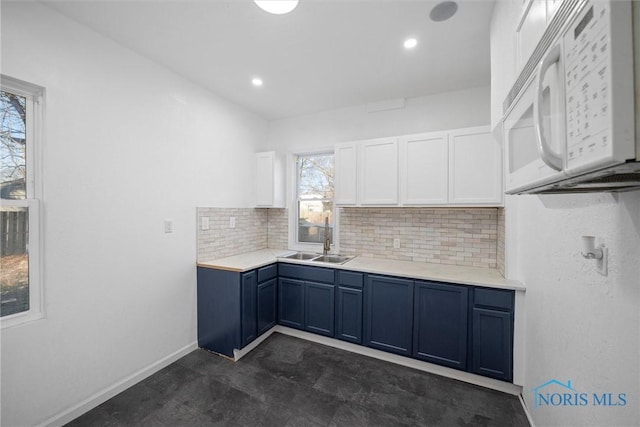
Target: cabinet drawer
(303, 272)
(349, 278)
(493, 298)
(268, 272)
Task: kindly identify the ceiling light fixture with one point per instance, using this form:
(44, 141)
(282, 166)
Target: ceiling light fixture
(443, 11)
(410, 43)
(277, 7)
(256, 81)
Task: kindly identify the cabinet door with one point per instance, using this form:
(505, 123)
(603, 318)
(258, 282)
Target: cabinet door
(475, 167)
(267, 303)
(531, 28)
(249, 310)
(378, 177)
(319, 308)
(491, 343)
(424, 168)
(269, 180)
(345, 163)
(440, 324)
(389, 314)
(349, 315)
(291, 303)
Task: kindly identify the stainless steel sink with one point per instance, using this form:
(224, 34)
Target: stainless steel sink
(307, 256)
(303, 256)
(334, 259)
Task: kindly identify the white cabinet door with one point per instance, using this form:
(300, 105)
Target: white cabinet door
(269, 180)
(504, 22)
(345, 180)
(424, 167)
(475, 167)
(378, 176)
(530, 30)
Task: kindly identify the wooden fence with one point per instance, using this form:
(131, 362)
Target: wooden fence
(14, 232)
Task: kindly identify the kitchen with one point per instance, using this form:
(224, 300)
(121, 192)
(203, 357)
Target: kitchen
(131, 144)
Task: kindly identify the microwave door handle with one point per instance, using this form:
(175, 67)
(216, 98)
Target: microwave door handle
(552, 159)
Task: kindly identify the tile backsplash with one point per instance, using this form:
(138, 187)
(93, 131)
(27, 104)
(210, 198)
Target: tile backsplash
(457, 236)
(249, 234)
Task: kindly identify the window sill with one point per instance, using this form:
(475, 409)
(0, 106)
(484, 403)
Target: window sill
(19, 319)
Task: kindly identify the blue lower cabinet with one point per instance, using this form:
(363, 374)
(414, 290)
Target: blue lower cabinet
(389, 314)
(267, 305)
(219, 310)
(291, 303)
(349, 315)
(249, 293)
(492, 343)
(440, 324)
(319, 308)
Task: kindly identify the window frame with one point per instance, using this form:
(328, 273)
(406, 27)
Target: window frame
(294, 244)
(33, 151)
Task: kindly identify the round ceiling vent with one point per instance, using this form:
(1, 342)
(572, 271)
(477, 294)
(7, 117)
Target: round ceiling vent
(443, 11)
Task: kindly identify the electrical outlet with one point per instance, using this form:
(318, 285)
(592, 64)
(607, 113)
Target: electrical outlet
(396, 243)
(204, 223)
(168, 226)
(232, 222)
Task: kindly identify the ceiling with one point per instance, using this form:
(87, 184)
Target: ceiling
(325, 54)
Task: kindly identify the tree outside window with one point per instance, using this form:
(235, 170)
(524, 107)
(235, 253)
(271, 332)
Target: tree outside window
(315, 197)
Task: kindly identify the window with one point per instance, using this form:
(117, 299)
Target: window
(314, 194)
(20, 284)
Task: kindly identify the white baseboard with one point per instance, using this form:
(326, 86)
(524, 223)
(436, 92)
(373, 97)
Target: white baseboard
(102, 396)
(405, 361)
(238, 354)
(526, 411)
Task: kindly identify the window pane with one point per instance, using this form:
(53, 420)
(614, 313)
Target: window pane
(14, 274)
(311, 215)
(13, 166)
(316, 177)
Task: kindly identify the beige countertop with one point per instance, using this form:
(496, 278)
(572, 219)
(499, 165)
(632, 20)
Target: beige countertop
(416, 270)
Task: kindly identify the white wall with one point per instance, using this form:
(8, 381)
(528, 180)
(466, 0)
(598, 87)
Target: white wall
(449, 110)
(580, 326)
(127, 144)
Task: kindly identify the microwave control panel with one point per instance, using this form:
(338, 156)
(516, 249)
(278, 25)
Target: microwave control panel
(587, 68)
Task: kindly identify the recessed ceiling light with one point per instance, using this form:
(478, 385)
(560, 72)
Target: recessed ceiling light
(256, 81)
(277, 7)
(443, 11)
(410, 43)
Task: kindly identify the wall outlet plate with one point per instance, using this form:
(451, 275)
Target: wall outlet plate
(168, 226)
(204, 223)
(396, 243)
(232, 222)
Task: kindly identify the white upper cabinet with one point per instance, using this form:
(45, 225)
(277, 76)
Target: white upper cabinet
(461, 167)
(530, 29)
(270, 183)
(345, 181)
(424, 168)
(475, 167)
(378, 172)
(504, 22)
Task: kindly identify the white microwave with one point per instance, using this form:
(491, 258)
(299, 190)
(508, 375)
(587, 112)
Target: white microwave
(570, 123)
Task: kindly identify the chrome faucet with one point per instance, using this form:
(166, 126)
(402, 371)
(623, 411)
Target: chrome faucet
(326, 247)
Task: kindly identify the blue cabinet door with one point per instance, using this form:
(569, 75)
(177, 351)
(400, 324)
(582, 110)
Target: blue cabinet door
(349, 315)
(267, 303)
(319, 308)
(249, 307)
(491, 343)
(389, 314)
(219, 308)
(440, 324)
(291, 303)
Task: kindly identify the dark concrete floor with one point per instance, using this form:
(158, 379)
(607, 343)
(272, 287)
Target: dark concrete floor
(287, 381)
